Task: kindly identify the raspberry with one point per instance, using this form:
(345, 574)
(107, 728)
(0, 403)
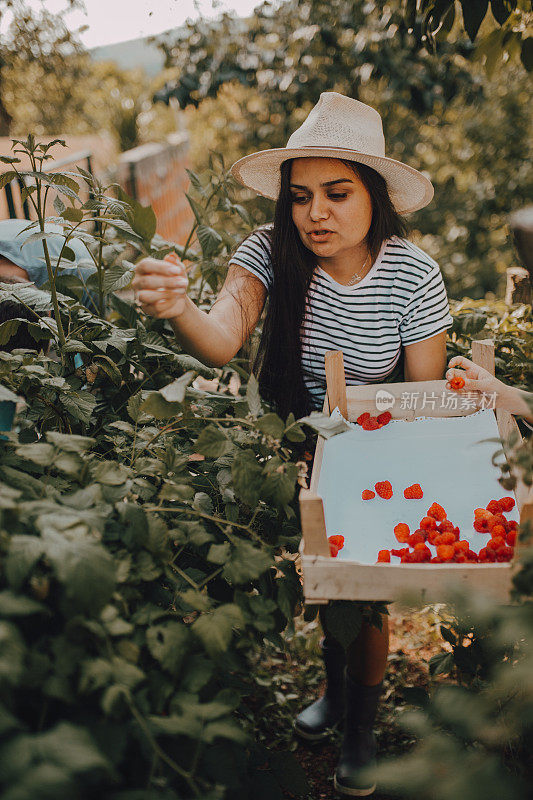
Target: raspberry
(370, 424)
(416, 538)
(422, 551)
(437, 512)
(384, 489)
(494, 507)
(362, 418)
(432, 536)
(333, 550)
(471, 555)
(400, 553)
(495, 544)
(461, 546)
(497, 530)
(401, 531)
(367, 494)
(504, 554)
(384, 556)
(445, 538)
(435, 560)
(445, 526)
(480, 526)
(408, 558)
(512, 525)
(496, 519)
(507, 503)
(385, 418)
(445, 552)
(459, 558)
(428, 524)
(337, 539)
(413, 492)
(457, 382)
(456, 533)
(485, 555)
(511, 538)
(482, 513)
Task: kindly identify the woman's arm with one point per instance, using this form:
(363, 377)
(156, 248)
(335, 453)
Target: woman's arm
(212, 337)
(426, 361)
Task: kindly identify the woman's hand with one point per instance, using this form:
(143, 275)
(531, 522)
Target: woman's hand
(161, 286)
(491, 392)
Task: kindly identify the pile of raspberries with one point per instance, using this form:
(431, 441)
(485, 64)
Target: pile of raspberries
(437, 531)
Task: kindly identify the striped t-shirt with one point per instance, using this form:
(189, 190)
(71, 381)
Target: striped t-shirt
(401, 300)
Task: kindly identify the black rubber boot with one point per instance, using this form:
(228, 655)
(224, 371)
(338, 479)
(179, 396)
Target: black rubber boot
(317, 720)
(359, 745)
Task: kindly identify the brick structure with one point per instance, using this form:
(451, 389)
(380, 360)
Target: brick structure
(155, 175)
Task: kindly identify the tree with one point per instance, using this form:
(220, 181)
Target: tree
(32, 39)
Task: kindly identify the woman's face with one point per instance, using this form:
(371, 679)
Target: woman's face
(328, 196)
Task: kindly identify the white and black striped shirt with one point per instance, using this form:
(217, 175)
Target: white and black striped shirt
(402, 300)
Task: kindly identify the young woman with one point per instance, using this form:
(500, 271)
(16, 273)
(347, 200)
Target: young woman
(339, 273)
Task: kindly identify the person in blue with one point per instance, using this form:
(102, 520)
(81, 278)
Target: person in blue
(27, 262)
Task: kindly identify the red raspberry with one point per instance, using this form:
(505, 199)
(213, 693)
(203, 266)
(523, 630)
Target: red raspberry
(461, 546)
(445, 538)
(496, 519)
(333, 550)
(413, 492)
(511, 538)
(457, 382)
(367, 494)
(507, 503)
(437, 512)
(362, 418)
(480, 526)
(370, 424)
(494, 507)
(422, 552)
(497, 530)
(432, 536)
(505, 554)
(459, 558)
(401, 531)
(416, 538)
(435, 560)
(495, 544)
(482, 513)
(337, 539)
(400, 553)
(408, 558)
(445, 552)
(472, 556)
(512, 525)
(445, 526)
(384, 556)
(385, 418)
(428, 524)
(384, 489)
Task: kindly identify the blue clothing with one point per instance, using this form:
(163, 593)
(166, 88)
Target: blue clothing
(30, 257)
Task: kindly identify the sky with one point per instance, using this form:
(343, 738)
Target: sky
(112, 21)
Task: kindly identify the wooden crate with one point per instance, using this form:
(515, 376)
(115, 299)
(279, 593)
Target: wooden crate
(327, 578)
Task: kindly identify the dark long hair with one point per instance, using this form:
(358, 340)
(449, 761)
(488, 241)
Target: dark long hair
(278, 363)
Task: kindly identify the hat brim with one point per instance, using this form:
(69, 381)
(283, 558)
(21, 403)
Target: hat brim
(408, 188)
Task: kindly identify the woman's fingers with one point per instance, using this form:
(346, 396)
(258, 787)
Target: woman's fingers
(151, 266)
(158, 281)
(166, 295)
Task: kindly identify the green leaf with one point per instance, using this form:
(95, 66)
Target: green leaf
(118, 277)
(7, 177)
(209, 239)
(219, 553)
(212, 442)
(17, 605)
(196, 209)
(8, 329)
(247, 477)
(448, 635)
(344, 620)
(252, 396)
(156, 405)
(168, 645)
(325, 425)
(134, 409)
(474, 12)
(279, 486)
(144, 221)
(246, 562)
(175, 392)
(72, 214)
(215, 629)
(272, 425)
(69, 442)
(37, 452)
(441, 663)
(293, 431)
(23, 554)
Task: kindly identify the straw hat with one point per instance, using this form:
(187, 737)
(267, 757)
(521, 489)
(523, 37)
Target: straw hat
(338, 127)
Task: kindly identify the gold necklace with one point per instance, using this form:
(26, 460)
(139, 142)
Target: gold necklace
(356, 277)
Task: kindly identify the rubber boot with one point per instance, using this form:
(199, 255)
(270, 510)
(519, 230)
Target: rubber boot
(359, 746)
(317, 720)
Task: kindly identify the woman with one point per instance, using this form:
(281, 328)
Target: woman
(339, 274)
